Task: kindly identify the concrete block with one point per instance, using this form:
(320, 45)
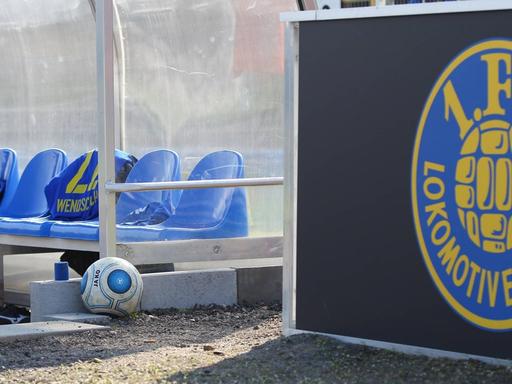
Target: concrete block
(76, 317)
(49, 328)
(260, 284)
(188, 288)
(161, 290)
(52, 297)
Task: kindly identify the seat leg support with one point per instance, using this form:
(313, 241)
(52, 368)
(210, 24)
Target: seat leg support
(2, 291)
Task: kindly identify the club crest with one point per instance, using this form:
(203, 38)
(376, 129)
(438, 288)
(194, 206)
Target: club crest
(462, 184)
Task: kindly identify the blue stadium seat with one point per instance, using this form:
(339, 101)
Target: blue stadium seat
(202, 213)
(24, 213)
(159, 165)
(9, 176)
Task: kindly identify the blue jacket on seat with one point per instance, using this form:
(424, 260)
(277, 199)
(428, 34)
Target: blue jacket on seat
(73, 193)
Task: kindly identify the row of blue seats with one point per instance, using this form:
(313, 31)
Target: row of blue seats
(196, 213)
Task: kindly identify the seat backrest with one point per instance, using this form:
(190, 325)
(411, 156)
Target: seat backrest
(159, 165)
(204, 208)
(9, 176)
(29, 199)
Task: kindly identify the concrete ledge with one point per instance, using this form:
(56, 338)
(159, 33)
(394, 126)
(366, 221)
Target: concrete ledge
(260, 285)
(54, 300)
(53, 297)
(76, 317)
(13, 332)
(186, 289)
(161, 290)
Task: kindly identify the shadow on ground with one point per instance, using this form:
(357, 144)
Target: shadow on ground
(141, 333)
(317, 359)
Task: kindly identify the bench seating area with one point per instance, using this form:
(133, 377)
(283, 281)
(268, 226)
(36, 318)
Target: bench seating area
(193, 214)
(205, 224)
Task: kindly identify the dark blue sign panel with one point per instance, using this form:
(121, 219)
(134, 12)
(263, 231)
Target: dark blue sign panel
(404, 202)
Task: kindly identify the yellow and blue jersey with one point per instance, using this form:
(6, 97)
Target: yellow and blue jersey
(73, 193)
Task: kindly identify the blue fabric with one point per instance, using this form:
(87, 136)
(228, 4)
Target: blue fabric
(153, 213)
(159, 165)
(73, 193)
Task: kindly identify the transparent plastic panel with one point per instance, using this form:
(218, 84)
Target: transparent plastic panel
(47, 76)
(205, 76)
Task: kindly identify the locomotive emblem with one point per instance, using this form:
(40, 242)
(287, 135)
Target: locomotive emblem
(462, 184)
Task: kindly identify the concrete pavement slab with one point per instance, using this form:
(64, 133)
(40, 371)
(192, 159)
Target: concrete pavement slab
(46, 328)
(79, 317)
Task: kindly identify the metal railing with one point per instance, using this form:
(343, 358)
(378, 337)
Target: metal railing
(194, 184)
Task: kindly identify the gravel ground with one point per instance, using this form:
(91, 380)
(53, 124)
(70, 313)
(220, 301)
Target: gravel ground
(221, 345)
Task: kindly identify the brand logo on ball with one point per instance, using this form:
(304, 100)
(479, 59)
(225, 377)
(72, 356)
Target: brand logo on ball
(462, 184)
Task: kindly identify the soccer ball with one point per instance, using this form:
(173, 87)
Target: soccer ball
(111, 286)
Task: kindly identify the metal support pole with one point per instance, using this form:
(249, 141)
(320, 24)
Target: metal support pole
(106, 132)
(121, 64)
(2, 276)
(290, 169)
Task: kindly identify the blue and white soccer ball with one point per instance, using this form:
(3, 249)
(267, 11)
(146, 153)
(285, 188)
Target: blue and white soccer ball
(111, 286)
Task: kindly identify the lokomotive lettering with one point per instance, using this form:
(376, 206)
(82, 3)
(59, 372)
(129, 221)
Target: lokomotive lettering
(457, 265)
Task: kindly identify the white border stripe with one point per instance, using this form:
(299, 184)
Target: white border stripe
(398, 10)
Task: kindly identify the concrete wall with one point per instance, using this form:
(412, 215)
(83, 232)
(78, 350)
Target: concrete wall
(224, 286)
(161, 290)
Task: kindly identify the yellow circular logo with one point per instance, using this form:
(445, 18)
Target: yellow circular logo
(462, 184)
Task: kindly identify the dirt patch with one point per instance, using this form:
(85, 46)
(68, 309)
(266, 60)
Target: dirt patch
(221, 345)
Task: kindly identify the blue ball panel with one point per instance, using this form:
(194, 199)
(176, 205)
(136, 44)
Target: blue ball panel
(83, 283)
(119, 281)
